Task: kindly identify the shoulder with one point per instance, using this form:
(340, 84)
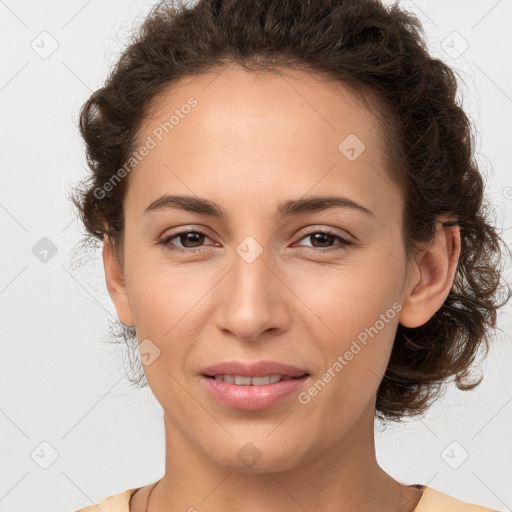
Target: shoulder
(117, 503)
(433, 500)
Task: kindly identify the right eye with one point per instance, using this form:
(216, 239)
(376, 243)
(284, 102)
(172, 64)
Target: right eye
(185, 237)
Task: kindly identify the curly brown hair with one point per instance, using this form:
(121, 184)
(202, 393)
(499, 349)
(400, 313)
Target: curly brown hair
(379, 53)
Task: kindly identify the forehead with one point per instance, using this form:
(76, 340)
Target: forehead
(280, 133)
(232, 97)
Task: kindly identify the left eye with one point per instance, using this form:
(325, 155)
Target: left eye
(324, 237)
(198, 236)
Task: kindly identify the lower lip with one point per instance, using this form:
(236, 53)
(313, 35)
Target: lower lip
(252, 398)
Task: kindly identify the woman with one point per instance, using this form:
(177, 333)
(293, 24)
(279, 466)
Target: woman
(293, 231)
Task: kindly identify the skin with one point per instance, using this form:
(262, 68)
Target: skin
(253, 141)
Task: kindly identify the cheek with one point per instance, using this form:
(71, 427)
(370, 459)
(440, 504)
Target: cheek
(348, 298)
(167, 302)
(356, 313)
(161, 291)
(355, 351)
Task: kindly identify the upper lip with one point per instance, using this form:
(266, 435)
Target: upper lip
(253, 369)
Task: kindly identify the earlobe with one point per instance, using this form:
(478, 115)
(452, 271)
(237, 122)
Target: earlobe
(116, 283)
(436, 269)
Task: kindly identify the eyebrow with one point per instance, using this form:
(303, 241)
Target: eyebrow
(287, 208)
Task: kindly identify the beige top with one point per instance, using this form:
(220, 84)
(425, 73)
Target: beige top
(431, 501)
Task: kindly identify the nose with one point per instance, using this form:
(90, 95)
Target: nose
(253, 297)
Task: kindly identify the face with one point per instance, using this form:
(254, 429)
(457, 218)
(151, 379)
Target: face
(319, 288)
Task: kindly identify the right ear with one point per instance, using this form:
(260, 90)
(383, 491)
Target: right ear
(115, 283)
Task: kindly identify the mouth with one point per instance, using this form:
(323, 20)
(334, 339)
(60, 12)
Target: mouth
(240, 369)
(242, 380)
(252, 393)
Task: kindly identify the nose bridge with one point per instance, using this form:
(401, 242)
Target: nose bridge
(251, 274)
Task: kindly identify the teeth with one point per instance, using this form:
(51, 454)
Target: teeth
(247, 381)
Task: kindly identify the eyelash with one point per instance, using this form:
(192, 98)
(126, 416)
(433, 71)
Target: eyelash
(165, 242)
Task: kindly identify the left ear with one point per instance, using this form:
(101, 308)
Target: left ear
(432, 280)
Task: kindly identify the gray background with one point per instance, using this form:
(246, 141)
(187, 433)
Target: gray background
(72, 429)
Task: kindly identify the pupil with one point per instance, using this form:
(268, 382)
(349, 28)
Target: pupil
(316, 235)
(188, 239)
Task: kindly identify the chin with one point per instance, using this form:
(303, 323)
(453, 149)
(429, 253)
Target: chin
(257, 458)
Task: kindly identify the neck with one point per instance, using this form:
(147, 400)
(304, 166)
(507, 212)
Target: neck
(343, 476)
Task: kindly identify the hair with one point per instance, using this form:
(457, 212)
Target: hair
(376, 51)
